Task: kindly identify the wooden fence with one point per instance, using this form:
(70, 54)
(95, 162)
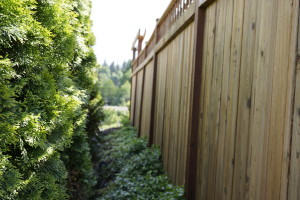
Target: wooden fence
(218, 88)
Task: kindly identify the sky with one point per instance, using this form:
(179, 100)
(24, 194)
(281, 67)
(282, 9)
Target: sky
(116, 23)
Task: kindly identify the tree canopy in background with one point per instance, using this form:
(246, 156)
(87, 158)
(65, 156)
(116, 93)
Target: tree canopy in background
(115, 83)
(48, 95)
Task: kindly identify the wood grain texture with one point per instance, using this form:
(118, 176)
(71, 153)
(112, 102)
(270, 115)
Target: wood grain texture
(146, 105)
(215, 98)
(173, 88)
(240, 182)
(293, 180)
(138, 103)
(224, 162)
(160, 97)
(280, 124)
(243, 145)
(248, 131)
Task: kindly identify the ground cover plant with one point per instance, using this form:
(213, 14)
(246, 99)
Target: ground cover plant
(128, 169)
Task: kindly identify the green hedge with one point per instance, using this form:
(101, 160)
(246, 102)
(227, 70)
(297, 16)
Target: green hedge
(46, 82)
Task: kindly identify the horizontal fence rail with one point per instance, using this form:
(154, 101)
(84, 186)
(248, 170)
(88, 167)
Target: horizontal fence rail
(217, 87)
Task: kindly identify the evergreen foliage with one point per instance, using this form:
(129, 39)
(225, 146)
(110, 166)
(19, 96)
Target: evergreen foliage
(48, 95)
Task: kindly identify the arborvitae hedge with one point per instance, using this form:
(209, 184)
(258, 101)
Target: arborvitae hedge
(46, 82)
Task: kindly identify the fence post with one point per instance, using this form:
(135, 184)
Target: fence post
(134, 52)
(130, 106)
(191, 163)
(152, 117)
(142, 99)
(134, 49)
(133, 92)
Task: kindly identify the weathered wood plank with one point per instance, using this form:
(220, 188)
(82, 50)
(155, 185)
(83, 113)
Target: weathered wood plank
(184, 105)
(221, 191)
(177, 102)
(240, 182)
(245, 110)
(167, 109)
(232, 98)
(282, 85)
(152, 133)
(147, 100)
(160, 96)
(293, 180)
(215, 102)
(173, 71)
(261, 100)
(139, 93)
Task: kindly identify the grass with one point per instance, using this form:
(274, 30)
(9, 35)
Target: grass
(114, 117)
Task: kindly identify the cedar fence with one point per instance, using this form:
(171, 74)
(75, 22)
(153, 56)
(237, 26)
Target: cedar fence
(218, 88)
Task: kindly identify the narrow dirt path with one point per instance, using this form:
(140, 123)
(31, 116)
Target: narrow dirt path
(97, 146)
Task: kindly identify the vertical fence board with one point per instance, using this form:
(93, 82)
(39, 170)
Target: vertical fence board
(294, 179)
(133, 99)
(176, 106)
(240, 182)
(221, 189)
(170, 104)
(247, 122)
(160, 97)
(185, 93)
(215, 101)
(139, 93)
(147, 100)
(167, 109)
(232, 98)
(261, 99)
(174, 63)
(294, 176)
(282, 86)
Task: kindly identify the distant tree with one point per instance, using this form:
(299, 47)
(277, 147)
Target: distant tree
(124, 92)
(126, 71)
(115, 83)
(104, 63)
(112, 67)
(109, 90)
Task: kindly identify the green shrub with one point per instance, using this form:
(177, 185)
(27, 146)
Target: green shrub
(46, 85)
(132, 170)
